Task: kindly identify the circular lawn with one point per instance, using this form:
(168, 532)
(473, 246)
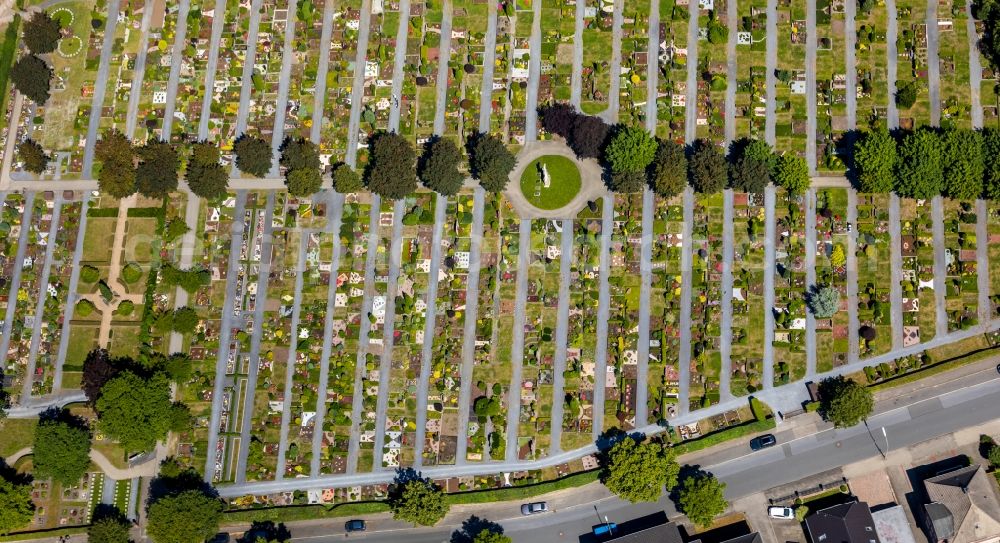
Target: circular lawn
(564, 182)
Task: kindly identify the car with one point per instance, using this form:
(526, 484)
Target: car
(534, 508)
(762, 442)
(356, 525)
(786, 513)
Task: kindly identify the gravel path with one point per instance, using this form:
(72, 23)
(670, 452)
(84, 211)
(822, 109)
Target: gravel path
(933, 62)
(322, 69)
(811, 85)
(940, 267)
(603, 309)
(983, 260)
(176, 52)
(896, 267)
(732, 22)
(400, 62)
(218, 20)
(771, 65)
(250, 59)
(36, 332)
(286, 412)
(975, 68)
(281, 104)
(850, 64)
(100, 87)
(576, 80)
(485, 100)
(358, 92)
(534, 74)
(562, 339)
(770, 257)
(469, 325)
(15, 276)
(517, 344)
(691, 111)
(852, 276)
(684, 360)
(132, 113)
(610, 115)
(726, 294)
(810, 280)
(892, 56)
(388, 328)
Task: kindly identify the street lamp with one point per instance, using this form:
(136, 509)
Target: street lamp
(886, 441)
(604, 520)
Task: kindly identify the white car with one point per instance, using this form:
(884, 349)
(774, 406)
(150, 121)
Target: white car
(785, 513)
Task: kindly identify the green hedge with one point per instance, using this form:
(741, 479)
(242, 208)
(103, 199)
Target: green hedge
(43, 534)
(102, 212)
(721, 436)
(7, 53)
(525, 491)
(934, 369)
(148, 212)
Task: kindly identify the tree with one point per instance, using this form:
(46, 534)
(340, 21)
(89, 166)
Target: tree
(41, 33)
(35, 158)
(253, 155)
(875, 161)
(631, 149)
(706, 167)
(490, 161)
(668, 170)
(98, 369)
(558, 118)
(205, 176)
(488, 536)
(919, 173)
(185, 320)
(749, 175)
(16, 507)
(346, 180)
(906, 95)
(31, 75)
(754, 149)
(792, 173)
(702, 498)
(109, 529)
(823, 301)
(390, 172)
(639, 471)
(300, 153)
(991, 150)
(156, 175)
(188, 516)
(62, 449)
(837, 257)
(418, 501)
(627, 182)
(303, 182)
(135, 411)
(117, 175)
(438, 168)
(844, 402)
(588, 136)
(964, 165)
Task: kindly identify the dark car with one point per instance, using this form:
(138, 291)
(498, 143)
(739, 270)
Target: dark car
(762, 442)
(356, 525)
(534, 508)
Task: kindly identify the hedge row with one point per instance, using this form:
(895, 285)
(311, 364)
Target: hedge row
(44, 534)
(721, 436)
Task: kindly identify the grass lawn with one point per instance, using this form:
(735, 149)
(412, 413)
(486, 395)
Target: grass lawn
(563, 186)
(82, 340)
(124, 340)
(17, 434)
(99, 239)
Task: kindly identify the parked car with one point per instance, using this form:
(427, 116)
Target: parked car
(762, 442)
(786, 513)
(356, 525)
(534, 508)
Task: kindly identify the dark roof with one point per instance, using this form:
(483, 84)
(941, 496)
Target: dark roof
(663, 533)
(940, 519)
(963, 505)
(844, 523)
(748, 538)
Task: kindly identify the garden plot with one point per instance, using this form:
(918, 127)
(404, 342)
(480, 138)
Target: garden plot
(751, 68)
(153, 91)
(377, 99)
(57, 506)
(339, 81)
(832, 343)
(578, 413)
(635, 56)
(225, 104)
(962, 294)
(870, 62)
(706, 278)
(953, 56)
(307, 51)
(558, 32)
(747, 366)
(912, 62)
(790, 89)
(270, 45)
(831, 83)
(789, 288)
(11, 217)
(874, 259)
(672, 59)
(465, 71)
(665, 305)
(597, 39)
(513, 67)
(917, 248)
(423, 59)
(128, 40)
(713, 34)
(191, 80)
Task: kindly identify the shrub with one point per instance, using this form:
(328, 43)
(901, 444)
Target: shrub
(131, 273)
(125, 308)
(89, 274)
(84, 308)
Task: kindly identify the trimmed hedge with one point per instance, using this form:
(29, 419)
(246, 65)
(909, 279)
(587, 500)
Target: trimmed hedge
(147, 212)
(44, 534)
(525, 491)
(934, 369)
(721, 436)
(107, 212)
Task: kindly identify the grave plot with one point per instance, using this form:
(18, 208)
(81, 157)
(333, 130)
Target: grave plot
(270, 45)
(874, 264)
(486, 414)
(121, 68)
(379, 62)
(751, 68)
(953, 56)
(190, 94)
(558, 32)
(961, 283)
(579, 378)
(831, 84)
(159, 46)
(917, 248)
(635, 56)
(547, 75)
(790, 88)
(706, 277)
(515, 78)
(61, 124)
(789, 288)
(408, 331)
(597, 37)
(346, 323)
(539, 340)
(465, 73)
(912, 63)
(713, 34)
(423, 58)
(831, 269)
(306, 52)
(228, 74)
(672, 60)
(664, 315)
(870, 61)
(58, 506)
(989, 93)
(11, 217)
(339, 82)
(747, 366)
(443, 388)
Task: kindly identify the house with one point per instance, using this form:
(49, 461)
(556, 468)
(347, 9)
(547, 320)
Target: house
(892, 526)
(963, 507)
(844, 523)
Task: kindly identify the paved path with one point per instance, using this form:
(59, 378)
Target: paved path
(811, 85)
(15, 277)
(892, 56)
(32, 407)
(358, 88)
(691, 110)
(940, 267)
(684, 358)
(104, 333)
(191, 210)
(576, 80)
(43, 282)
(603, 310)
(810, 280)
(100, 85)
(249, 60)
(293, 343)
(517, 344)
(770, 268)
(562, 341)
(771, 63)
(218, 20)
(933, 63)
(400, 62)
(322, 69)
(176, 54)
(610, 115)
(896, 267)
(485, 100)
(726, 295)
(469, 326)
(281, 104)
(71, 296)
(732, 21)
(139, 72)
(255, 339)
(854, 322)
(441, 96)
(850, 64)
(592, 184)
(983, 259)
(975, 68)
(225, 333)
(534, 74)
(645, 285)
(145, 469)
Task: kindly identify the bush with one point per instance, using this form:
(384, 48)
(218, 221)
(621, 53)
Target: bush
(125, 308)
(85, 308)
(89, 274)
(994, 457)
(131, 273)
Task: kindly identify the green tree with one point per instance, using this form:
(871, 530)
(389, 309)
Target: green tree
(639, 471)
(303, 182)
(109, 529)
(253, 155)
(41, 33)
(707, 167)
(135, 411)
(299, 154)
(844, 402)
(16, 507)
(875, 158)
(749, 175)
(994, 457)
(156, 175)
(906, 95)
(631, 149)
(33, 156)
(32, 77)
(919, 172)
(628, 182)
(346, 180)
(490, 161)
(439, 167)
(185, 320)
(792, 173)
(823, 301)
(964, 165)
(205, 176)
(418, 501)
(61, 450)
(390, 172)
(991, 152)
(756, 149)
(184, 517)
(489, 536)
(668, 170)
(702, 498)
(117, 157)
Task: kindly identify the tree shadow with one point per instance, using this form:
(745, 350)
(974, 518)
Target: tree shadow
(175, 478)
(686, 471)
(472, 527)
(266, 530)
(10, 473)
